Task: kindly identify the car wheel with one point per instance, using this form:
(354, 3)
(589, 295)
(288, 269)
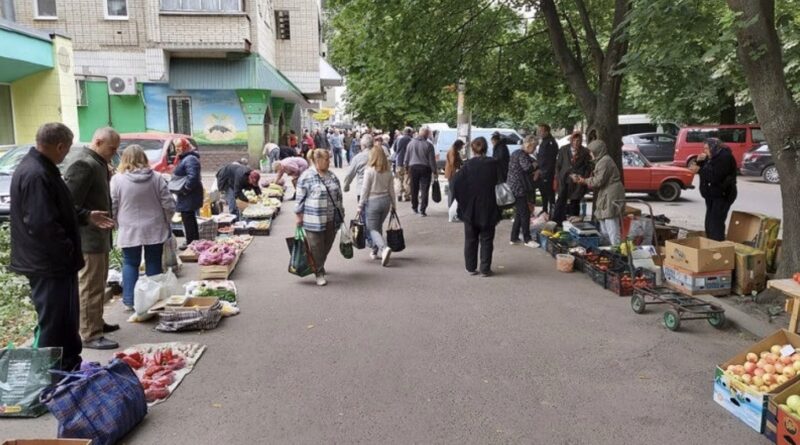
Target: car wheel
(669, 191)
(770, 174)
(691, 163)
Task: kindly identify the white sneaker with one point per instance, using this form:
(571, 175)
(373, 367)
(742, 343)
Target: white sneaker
(532, 244)
(387, 252)
(374, 255)
(321, 281)
(514, 243)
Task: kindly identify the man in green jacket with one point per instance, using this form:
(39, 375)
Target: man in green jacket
(87, 176)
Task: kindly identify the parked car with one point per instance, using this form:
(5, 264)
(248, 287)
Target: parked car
(660, 181)
(443, 139)
(159, 148)
(656, 147)
(9, 162)
(758, 162)
(740, 138)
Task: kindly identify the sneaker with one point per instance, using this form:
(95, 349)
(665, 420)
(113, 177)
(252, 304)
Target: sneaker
(532, 244)
(101, 343)
(488, 273)
(415, 210)
(387, 252)
(423, 214)
(129, 308)
(321, 281)
(472, 272)
(374, 255)
(515, 243)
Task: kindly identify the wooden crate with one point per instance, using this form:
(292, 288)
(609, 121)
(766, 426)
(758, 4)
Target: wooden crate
(188, 256)
(219, 272)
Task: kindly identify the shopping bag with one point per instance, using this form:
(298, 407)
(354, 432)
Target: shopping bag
(452, 213)
(436, 192)
(150, 290)
(101, 403)
(345, 242)
(169, 259)
(394, 234)
(359, 233)
(503, 195)
(301, 262)
(24, 374)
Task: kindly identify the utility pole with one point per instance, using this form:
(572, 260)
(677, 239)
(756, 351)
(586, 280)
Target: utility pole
(464, 118)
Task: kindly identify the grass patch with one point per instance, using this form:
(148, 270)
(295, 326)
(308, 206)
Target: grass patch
(17, 314)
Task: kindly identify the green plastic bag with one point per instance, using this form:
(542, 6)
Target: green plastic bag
(301, 263)
(24, 374)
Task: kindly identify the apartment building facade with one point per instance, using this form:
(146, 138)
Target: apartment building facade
(230, 73)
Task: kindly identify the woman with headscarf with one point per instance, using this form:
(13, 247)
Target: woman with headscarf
(190, 199)
(718, 169)
(606, 183)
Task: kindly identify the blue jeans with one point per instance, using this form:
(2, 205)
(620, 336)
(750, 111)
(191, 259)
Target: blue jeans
(376, 214)
(230, 199)
(131, 259)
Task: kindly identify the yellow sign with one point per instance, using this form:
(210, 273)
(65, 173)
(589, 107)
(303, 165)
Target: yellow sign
(323, 114)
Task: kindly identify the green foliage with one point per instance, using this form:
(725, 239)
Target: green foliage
(17, 314)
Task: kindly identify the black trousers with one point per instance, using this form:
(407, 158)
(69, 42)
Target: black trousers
(522, 220)
(545, 187)
(473, 236)
(190, 230)
(716, 215)
(58, 309)
(420, 186)
(565, 207)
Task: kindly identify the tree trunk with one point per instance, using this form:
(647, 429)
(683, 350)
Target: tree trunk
(759, 52)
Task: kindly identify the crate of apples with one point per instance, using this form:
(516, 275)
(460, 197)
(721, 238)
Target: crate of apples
(766, 371)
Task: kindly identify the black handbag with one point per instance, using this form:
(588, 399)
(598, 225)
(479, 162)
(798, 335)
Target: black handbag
(177, 184)
(394, 234)
(359, 231)
(436, 192)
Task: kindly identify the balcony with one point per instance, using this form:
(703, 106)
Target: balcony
(202, 33)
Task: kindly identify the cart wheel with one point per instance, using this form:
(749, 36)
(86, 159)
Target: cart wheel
(637, 304)
(717, 319)
(672, 320)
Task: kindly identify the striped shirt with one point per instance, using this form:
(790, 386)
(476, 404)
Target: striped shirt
(313, 200)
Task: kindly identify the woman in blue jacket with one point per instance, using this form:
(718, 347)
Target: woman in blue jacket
(190, 198)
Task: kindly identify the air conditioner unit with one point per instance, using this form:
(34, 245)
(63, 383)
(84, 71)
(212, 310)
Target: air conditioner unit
(122, 85)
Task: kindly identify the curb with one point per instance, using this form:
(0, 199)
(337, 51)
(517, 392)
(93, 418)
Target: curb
(740, 319)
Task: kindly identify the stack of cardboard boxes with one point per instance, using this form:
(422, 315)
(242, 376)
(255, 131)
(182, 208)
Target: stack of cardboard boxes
(699, 266)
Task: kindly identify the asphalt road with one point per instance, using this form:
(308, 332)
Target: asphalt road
(420, 352)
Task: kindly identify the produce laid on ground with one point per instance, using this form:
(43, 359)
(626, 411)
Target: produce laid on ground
(767, 370)
(239, 242)
(161, 367)
(273, 191)
(259, 225)
(258, 211)
(217, 255)
(225, 290)
(796, 277)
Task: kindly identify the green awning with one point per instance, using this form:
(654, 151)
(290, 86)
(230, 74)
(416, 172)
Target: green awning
(251, 72)
(23, 52)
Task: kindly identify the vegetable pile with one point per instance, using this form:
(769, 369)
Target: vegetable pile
(155, 371)
(258, 211)
(210, 289)
(200, 246)
(217, 255)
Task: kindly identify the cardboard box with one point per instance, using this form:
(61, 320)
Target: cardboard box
(717, 283)
(191, 304)
(750, 274)
(787, 427)
(747, 404)
(666, 233)
(700, 255)
(686, 233)
(755, 230)
(48, 442)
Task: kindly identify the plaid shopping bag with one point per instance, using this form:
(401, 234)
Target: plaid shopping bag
(101, 403)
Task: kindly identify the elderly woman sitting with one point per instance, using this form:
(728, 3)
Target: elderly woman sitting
(607, 185)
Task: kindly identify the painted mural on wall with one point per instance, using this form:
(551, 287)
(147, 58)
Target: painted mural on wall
(216, 117)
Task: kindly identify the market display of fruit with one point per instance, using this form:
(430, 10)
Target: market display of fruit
(767, 370)
(217, 255)
(792, 406)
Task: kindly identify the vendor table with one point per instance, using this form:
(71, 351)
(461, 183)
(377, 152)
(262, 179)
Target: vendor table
(791, 289)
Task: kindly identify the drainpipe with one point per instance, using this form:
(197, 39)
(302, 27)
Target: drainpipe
(7, 10)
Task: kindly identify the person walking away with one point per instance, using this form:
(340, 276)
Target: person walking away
(717, 168)
(401, 170)
(477, 207)
(347, 140)
(546, 157)
(233, 180)
(451, 167)
(571, 159)
(336, 146)
(293, 140)
(292, 167)
(142, 207)
(319, 196)
(308, 144)
(522, 171)
(378, 192)
(500, 152)
(359, 165)
(87, 176)
(354, 148)
(421, 162)
(46, 241)
(606, 182)
(190, 199)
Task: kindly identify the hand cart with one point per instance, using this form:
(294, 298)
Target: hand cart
(681, 307)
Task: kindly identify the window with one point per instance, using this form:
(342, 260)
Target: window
(46, 9)
(666, 139)
(117, 9)
(632, 159)
(700, 135)
(732, 135)
(180, 114)
(282, 23)
(202, 5)
(758, 136)
(6, 116)
(81, 97)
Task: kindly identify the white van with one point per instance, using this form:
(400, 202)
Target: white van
(443, 139)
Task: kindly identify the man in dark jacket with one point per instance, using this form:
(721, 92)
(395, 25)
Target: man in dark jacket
(420, 158)
(473, 187)
(401, 171)
(718, 169)
(190, 199)
(46, 243)
(501, 153)
(546, 157)
(87, 176)
(233, 179)
(572, 159)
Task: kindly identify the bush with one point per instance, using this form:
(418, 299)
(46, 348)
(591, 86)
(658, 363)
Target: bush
(17, 314)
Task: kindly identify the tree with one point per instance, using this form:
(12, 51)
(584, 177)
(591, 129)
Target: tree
(760, 53)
